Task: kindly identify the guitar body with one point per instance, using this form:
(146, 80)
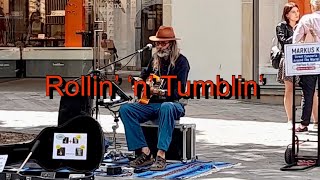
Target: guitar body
(77, 145)
(150, 81)
(144, 100)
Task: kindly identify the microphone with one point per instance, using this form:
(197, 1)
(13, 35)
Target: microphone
(148, 46)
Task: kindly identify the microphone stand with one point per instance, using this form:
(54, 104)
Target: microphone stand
(114, 154)
(98, 70)
(132, 54)
(97, 73)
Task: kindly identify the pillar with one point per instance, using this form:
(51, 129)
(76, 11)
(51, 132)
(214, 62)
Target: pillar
(74, 22)
(167, 13)
(247, 39)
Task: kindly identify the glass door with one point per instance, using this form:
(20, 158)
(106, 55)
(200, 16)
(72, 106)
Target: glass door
(128, 23)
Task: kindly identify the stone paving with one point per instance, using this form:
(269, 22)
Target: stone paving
(254, 135)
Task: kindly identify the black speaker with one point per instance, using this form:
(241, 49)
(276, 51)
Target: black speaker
(71, 107)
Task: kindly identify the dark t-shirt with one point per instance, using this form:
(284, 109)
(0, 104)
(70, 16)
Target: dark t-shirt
(181, 71)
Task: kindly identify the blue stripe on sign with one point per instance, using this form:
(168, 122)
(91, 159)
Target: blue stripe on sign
(300, 58)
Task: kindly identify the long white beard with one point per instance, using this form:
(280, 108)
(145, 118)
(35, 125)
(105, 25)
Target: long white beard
(164, 53)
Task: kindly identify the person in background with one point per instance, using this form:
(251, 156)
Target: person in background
(284, 32)
(309, 23)
(109, 51)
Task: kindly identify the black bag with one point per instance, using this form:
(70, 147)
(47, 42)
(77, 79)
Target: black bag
(71, 107)
(275, 56)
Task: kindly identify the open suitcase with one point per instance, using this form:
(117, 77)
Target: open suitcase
(42, 175)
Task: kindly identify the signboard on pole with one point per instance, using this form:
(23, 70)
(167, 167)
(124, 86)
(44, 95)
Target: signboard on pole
(302, 59)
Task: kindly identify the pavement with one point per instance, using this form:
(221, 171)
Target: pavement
(254, 135)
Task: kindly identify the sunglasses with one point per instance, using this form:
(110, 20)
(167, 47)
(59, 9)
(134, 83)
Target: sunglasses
(162, 43)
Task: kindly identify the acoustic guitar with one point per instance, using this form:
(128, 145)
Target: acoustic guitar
(77, 145)
(153, 81)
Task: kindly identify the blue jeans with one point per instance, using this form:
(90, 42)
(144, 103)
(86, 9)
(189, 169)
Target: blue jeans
(132, 114)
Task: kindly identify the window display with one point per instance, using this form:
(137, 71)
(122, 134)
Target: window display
(71, 23)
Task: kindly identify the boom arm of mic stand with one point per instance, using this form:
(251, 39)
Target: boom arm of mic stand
(97, 70)
(119, 60)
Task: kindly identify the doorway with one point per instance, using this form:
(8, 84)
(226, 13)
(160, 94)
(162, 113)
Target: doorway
(151, 20)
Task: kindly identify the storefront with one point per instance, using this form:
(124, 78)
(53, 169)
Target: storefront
(45, 28)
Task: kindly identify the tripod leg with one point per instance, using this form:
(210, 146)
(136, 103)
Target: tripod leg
(28, 157)
(114, 128)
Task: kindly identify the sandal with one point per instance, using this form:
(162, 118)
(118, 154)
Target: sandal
(299, 129)
(159, 165)
(142, 160)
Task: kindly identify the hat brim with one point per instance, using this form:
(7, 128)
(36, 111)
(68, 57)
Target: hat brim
(154, 38)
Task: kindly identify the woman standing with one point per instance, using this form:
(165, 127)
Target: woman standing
(284, 31)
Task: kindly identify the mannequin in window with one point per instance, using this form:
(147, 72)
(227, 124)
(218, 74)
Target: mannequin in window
(35, 28)
(2, 27)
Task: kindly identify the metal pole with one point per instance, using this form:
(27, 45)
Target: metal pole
(94, 35)
(294, 158)
(97, 22)
(255, 64)
(318, 155)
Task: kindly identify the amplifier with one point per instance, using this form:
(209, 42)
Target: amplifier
(182, 147)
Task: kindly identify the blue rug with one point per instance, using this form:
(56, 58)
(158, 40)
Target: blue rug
(186, 171)
(178, 170)
(175, 170)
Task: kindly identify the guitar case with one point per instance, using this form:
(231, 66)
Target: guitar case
(40, 175)
(83, 127)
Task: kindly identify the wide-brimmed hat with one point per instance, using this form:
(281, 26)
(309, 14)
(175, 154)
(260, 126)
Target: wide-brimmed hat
(164, 33)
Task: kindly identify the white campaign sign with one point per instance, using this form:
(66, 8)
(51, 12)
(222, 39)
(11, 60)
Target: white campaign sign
(70, 146)
(302, 59)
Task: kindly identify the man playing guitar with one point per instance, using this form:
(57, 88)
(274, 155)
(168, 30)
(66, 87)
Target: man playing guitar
(166, 61)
